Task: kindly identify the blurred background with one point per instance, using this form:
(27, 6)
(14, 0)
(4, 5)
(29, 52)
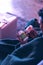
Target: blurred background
(24, 8)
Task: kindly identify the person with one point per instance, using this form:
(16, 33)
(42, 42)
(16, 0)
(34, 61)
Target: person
(29, 54)
(40, 13)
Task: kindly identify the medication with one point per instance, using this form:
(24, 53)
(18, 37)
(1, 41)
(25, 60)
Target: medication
(22, 36)
(29, 28)
(31, 32)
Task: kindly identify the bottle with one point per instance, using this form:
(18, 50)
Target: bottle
(22, 37)
(41, 24)
(31, 32)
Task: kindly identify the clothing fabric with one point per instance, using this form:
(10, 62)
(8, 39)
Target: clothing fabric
(29, 54)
